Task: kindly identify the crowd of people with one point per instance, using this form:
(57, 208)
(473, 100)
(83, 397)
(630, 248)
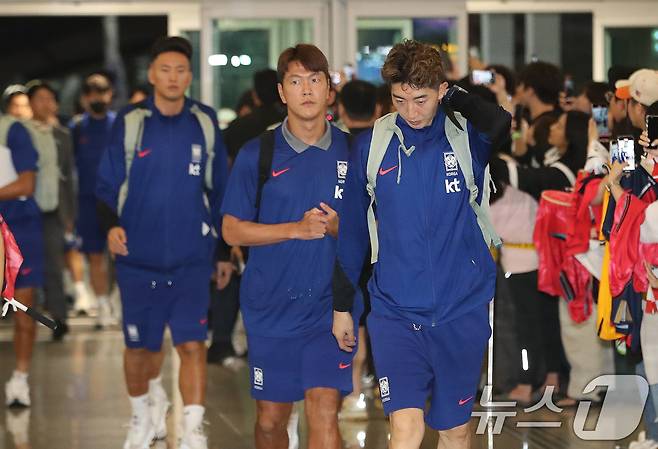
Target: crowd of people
(272, 217)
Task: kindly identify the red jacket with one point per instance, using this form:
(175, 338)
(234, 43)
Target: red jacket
(13, 260)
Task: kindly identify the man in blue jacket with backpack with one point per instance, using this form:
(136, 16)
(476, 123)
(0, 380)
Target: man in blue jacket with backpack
(160, 184)
(418, 186)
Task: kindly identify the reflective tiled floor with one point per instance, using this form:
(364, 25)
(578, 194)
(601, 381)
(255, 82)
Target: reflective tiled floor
(79, 402)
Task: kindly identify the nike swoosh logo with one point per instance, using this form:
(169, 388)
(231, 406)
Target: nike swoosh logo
(343, 365)
(464, 401)
(143, 153)
(26, 271)
(276, 174)
(203, 321)
(383, 172)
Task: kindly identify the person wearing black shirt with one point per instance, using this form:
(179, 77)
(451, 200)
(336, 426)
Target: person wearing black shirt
(271, 111)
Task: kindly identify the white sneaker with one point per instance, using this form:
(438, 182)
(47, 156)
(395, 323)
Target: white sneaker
(159, 406)
(105, 318)
(649, 444)
(641, 438)
(18, 424)
(17, 392)
(354, 408)
(194, 439)
(141, 433)
(83, 302)
(293, 430)
(367, 381)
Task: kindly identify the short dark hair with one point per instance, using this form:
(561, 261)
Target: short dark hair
(309, 56)
(171, 43)
(414, 63)
(96, 82)
(245, 99)
(510, 79)
(384, 98)
(265, 86)
(595, 92)
(35, 86)
(359, 98)
(143, 88)
(545, 79)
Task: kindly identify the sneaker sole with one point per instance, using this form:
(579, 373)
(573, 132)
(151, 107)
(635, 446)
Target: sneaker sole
(161, 434)
(16, 404)
(149, 444)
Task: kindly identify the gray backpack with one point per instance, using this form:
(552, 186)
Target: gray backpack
(383, 132)
(132, 142)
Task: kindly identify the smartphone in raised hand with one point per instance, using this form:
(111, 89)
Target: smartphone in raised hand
(652, 128)
(600, 116)
(483, 77)
(626, 152)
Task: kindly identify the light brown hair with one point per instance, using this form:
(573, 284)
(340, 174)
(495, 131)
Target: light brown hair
(414, 63)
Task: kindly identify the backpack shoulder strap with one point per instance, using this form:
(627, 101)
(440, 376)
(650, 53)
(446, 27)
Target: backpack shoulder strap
(265, 157)
(457, 134)
(208, 128)
(458, 139)
(382, 133)
(132, 142)
(566, 171)
(6, 121)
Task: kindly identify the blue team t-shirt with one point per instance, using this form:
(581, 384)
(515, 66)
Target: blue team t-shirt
(286, 287)
(24, 157)
(91, 138)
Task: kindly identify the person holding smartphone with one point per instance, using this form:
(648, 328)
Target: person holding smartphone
(641, 93)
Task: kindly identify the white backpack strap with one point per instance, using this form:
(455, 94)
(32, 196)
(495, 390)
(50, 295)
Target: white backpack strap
(382, 133)
(458, 139)
(512, 170)
(6, 121)
(566, 171)
(208, 129)
(132, 142)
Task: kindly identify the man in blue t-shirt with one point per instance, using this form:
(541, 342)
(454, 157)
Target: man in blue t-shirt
(18, 167)
(434, 274)
(160, 184)
(286, 288)
(91, 135)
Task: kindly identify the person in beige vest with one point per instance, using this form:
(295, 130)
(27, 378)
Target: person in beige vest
(54, 194)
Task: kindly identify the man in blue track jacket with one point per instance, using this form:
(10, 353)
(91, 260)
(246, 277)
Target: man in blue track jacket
(161, 181)
(434, 274)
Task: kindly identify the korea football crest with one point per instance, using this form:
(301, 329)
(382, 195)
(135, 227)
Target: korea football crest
(341, 175)
(341, 170)
(450, 162)
(451, 166)
(195, 162)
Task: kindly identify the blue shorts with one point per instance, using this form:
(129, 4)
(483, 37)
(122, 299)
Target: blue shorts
(443, 364)
(29, 237)
(282, 369)
(88, 227)
(152, 300)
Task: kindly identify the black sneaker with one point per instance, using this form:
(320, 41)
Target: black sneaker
(218, 352)
(61, 330)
